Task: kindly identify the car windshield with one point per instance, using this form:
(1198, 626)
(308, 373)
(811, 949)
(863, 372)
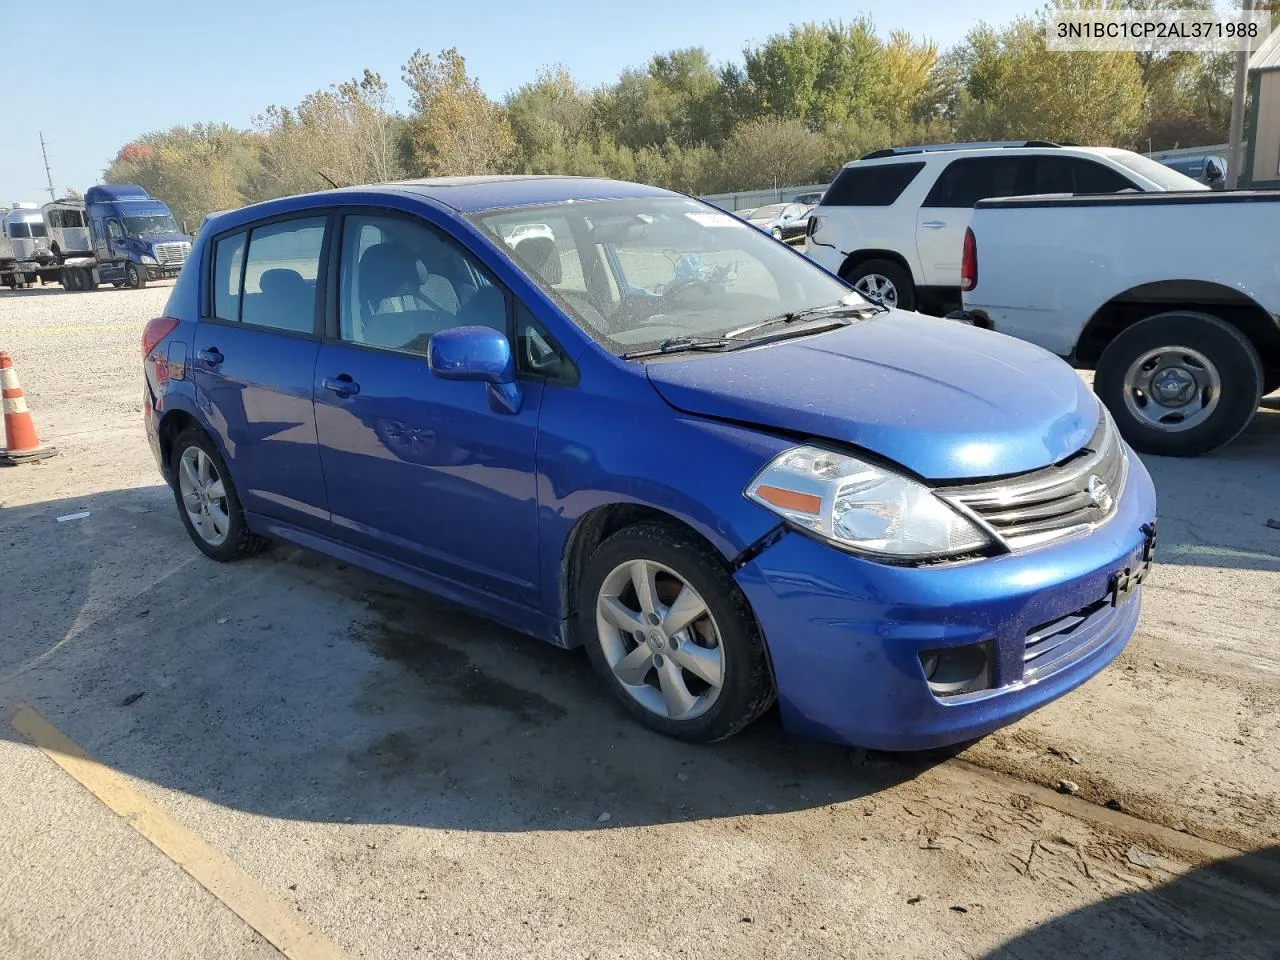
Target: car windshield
(636, 273)
(142, 226)
(1166, 178)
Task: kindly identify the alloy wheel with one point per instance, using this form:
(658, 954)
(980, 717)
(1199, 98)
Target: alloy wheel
(204, 496)
(660, 640)
(879, 288)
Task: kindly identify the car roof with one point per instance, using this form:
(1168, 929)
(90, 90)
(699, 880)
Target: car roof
(472, 194)
(463, 195)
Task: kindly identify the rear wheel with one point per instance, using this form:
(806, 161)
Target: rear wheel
(884, 282)
(1180, 383)
(672, 636)
(134, 276)
(207, 500)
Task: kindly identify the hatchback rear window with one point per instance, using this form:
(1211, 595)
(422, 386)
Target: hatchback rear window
(872, 186)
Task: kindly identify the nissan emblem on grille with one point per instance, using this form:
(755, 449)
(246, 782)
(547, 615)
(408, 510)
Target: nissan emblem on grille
(1054, 502)
(1099, 492)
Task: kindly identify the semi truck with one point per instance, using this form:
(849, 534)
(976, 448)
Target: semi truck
(117, 234)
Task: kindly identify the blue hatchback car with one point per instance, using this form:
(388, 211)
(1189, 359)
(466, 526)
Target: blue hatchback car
(613, 416)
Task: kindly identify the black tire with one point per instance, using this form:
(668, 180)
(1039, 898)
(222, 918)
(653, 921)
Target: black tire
(88, 279)
(240, 541)
(895, 273)
(134, 277)
(747, 689)
(68, 279)
(1239, 370)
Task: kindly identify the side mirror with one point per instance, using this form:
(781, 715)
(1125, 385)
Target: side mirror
(477, 353)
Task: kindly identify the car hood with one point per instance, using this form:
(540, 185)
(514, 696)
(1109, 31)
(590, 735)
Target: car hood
(943, 399)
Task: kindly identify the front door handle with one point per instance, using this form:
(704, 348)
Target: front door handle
(934, 224)
(211, 357)
(342, 385)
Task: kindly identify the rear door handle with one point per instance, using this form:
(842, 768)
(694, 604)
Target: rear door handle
(342, 385)
(212, 357)
(934, 224)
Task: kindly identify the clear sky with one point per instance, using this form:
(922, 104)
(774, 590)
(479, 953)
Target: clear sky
(114, 73)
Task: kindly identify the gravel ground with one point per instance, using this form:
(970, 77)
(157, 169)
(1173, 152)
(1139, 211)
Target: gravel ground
(409, 778)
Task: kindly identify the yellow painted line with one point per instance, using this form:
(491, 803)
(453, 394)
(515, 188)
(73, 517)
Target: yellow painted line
(101, 328)
(277, 922)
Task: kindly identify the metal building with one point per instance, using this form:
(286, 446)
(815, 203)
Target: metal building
(1262, 160)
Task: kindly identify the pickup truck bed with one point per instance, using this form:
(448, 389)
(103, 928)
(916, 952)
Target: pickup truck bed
(1173, 298)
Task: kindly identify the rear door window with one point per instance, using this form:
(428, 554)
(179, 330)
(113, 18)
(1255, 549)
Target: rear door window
(871, 186)
(281, 270)
(969, 179)
(1095, 178)
(1074, 175)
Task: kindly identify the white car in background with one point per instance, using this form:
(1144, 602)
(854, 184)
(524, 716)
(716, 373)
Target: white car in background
(892, 224)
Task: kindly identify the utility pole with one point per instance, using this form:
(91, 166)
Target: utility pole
(47, 175)
(1234, 158)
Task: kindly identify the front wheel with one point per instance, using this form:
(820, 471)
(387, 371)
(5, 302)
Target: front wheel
(672, 636)
(207, 500)
(1181, 383)
(134, 276)
(885, 282)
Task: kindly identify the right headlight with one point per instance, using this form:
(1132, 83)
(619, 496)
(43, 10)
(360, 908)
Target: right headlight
(862, 506)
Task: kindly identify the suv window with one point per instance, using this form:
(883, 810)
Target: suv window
(401, 282)
(280, 275)
(1074, 175)
(969, 179)
(1095, 178)
(872, 186)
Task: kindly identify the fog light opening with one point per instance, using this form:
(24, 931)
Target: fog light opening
(957, 670)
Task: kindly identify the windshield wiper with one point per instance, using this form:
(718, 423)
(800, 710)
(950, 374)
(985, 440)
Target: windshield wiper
(830, 311)
(685, 344)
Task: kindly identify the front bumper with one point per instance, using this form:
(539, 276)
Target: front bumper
(845, 634)
(162, 271)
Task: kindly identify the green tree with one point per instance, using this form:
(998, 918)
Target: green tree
(820, 74)
(551, 110)
(345, 133)
(1018, 89)
(196, 170)
(455, 129)
(772, 152)
(677, 97)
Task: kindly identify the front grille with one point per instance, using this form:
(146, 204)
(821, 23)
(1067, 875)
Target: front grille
(172, 253)
(1068, 497)
(1053, 645)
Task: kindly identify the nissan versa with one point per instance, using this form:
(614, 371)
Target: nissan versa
(609, 415)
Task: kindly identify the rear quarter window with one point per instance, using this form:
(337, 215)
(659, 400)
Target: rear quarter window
(879, 185)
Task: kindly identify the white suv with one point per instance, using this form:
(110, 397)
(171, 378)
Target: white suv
(893, 223)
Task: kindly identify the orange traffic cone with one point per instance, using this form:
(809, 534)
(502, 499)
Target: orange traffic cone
(21, 445)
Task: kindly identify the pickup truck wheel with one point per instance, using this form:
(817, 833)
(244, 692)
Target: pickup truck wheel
(134, 277)
(884, 282)
(1180, 384)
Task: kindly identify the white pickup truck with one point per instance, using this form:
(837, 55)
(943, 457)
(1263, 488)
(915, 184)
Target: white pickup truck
(1173, 299)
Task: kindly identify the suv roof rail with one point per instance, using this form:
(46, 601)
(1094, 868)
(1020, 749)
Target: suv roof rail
(977, 145)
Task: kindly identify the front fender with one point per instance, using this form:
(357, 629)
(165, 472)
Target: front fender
(627, 446)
